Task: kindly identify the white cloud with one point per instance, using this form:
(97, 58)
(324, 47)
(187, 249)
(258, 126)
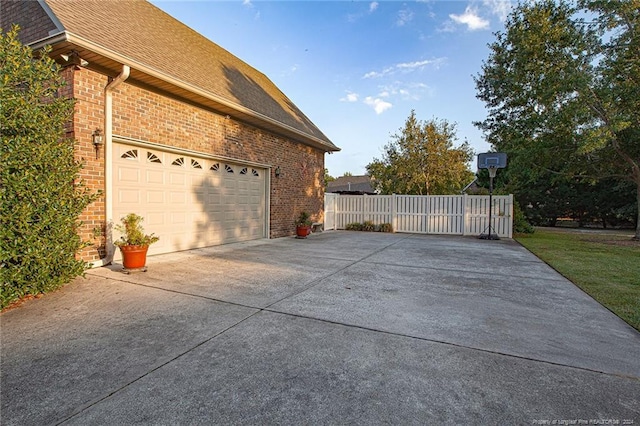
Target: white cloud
(404, 16)
(500, 8)
(447, 26)
(354, 17)
(406, 67)
(420, 64)
(378, 105)
(351, 97)
(250, 6)
(406, 91)
(471, 19)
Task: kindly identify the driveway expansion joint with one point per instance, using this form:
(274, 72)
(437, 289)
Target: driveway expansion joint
(152, 370)
(454, 345)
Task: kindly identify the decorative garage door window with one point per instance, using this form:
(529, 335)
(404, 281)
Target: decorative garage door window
(195, 164)
(215, 167)
(178, 162)
(255, 173)
(131, 155)
(243, 171)
(152, 158)
(228, 168)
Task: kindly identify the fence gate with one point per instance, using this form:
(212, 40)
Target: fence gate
(423, 214)
(330, 210)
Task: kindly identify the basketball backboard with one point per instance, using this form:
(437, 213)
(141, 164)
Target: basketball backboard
(489, 160)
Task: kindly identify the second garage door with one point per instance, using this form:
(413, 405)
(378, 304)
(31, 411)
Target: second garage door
(188, 201)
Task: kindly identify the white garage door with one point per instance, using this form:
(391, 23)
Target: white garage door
(189, 202)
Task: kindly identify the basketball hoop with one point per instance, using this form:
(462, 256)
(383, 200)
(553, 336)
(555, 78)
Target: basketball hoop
(492, 161)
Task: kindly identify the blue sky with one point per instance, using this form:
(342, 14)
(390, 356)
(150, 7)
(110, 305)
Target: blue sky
(358, 68)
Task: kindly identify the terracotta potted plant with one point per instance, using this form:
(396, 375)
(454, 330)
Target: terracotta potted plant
(303, 225)
(133, 243)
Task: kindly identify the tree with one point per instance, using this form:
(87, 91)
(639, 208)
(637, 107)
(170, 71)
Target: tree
(563, 93)
(41, 195)
(327, 177)
(422, 160)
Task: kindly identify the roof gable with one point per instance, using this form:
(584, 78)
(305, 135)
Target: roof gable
(145, 35)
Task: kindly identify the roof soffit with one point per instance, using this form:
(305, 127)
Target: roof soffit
(187, 60)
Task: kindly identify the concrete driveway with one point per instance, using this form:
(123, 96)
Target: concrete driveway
(340, 328)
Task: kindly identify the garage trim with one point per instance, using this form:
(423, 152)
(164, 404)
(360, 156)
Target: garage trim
(174, 150)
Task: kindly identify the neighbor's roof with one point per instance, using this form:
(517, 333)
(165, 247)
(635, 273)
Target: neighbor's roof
(167, 54)
(351, 184)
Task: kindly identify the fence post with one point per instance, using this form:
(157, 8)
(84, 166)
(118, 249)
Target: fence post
(366, 208)
(510, 215)
(465, 219)
(394, 221)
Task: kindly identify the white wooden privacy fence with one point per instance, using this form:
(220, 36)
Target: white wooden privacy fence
(424, 214)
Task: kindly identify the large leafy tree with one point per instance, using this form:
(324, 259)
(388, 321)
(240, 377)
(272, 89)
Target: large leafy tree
(41, 196)
(327, 177)
(422, 160)
(562, 86)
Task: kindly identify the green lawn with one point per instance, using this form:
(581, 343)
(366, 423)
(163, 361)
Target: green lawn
(605, 264)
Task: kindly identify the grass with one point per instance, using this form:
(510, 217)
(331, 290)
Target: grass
(606, 265)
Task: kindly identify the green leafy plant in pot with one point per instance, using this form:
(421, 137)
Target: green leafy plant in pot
(133, 243)
(303, 225)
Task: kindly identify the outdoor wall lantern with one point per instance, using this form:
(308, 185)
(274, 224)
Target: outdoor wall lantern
(278, 172)
(96, 137)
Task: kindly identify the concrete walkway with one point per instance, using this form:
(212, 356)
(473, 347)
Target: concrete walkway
(340, 328)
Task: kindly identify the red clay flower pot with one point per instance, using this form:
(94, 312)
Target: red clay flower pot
(134, 257)
(302, 231)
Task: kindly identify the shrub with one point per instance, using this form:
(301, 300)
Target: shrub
(303, 220)
(520, 223)
(386, 227)
(355, 226)
(368, 226)
(133, 233)
(41, 196)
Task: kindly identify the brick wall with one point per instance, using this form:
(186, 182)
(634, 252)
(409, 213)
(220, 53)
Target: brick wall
(144, 115)
(33, 21)
(88, 91)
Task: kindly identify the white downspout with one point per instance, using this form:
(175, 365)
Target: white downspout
(108, 164)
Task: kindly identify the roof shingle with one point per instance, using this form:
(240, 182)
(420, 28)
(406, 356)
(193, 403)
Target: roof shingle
(146, 35)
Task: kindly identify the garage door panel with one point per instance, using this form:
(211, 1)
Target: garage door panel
(155, 197)
(178, 179)
(154, 219)
(187, 201)
(129, 174)
(177, 218)
(176, 197)
(129, 196)
(214, 202)
(155, 177)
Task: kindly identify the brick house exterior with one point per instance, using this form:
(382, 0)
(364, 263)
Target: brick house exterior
(212, 107)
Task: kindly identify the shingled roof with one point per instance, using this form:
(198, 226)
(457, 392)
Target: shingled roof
(168, 55)
(351, 185)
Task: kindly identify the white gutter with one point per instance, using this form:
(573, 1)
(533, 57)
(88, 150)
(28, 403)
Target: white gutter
(94, 47)
(108, 163)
